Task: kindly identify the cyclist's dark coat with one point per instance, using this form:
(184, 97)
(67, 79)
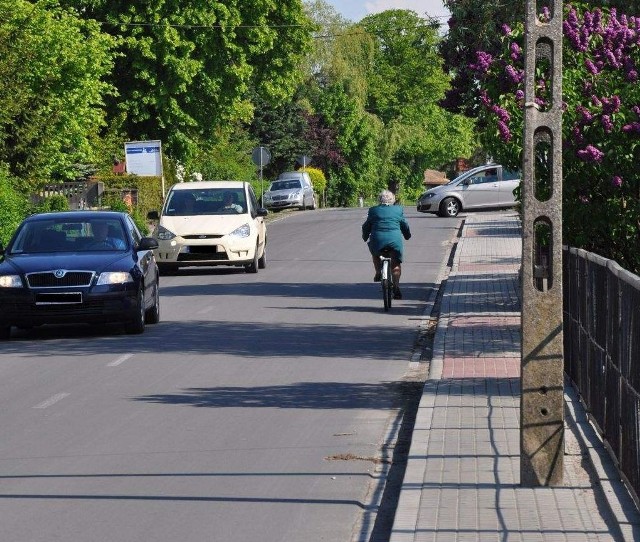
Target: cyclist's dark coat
(386, 226)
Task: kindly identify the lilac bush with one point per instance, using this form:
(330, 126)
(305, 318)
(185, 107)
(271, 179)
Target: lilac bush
(601, 123)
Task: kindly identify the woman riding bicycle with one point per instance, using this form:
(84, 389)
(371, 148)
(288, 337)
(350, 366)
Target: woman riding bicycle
(385, 227)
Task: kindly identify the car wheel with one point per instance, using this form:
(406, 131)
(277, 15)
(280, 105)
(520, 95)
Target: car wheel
(5, 333)
(450, 207)
(153, 314)
(253, 266)
(168, 269)
(262, 261)
(136, 326)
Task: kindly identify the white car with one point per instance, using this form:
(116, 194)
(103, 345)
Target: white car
(484, 187)
(290, 189)
(210, 223)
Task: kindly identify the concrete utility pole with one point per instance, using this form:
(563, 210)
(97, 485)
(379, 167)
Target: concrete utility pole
(542, 402)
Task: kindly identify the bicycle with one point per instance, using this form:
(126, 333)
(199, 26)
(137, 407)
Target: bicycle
(386, 276)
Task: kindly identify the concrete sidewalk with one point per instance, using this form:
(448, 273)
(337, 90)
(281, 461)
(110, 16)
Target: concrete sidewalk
(463, 473)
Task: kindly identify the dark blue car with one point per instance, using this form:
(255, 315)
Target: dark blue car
(78, 267)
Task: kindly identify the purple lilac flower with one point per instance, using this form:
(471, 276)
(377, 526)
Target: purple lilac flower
(596, 101)
(616, 181)
(578, 138)
(584, 199)
(484, 61)
(632, 127)
(501, 113)
(505, 133)
(636, 110)
(586, 117)
(593, 69)
(611, 105)
(519, 95)
(484, 99)
(607, 124)
(632, 76)
(546, 14)
(515, 76)
(590, 154)
(506, 29)
(516, 51)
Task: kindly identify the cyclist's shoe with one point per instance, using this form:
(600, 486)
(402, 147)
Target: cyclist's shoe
(397, 294)
(377, 277)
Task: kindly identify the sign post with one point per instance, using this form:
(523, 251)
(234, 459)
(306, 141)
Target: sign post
(144, 158)
(261, 157)
(303, 160)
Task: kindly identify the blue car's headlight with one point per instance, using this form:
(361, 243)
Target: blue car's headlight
(428, 195)
(114, 277)
(10, 281)
(242, 231)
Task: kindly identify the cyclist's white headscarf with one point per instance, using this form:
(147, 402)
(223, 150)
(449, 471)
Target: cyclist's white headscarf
(386, 197)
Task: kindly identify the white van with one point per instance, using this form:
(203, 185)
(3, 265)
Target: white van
(209, 223)
(290, 189)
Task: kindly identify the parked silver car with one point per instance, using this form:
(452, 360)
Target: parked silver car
(483, 187)
(290, 189)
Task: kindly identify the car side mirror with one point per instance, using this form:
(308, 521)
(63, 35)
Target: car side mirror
(466, 182)
(147, 243)
(153, 215)
(262, 211)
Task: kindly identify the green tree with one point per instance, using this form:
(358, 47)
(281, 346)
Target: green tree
(13, 205)
(406, 74)
(184, 68)
(52, 69)
(405, 85)
(281, 129)
(358, 137)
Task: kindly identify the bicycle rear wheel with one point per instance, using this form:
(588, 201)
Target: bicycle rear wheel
(387, 285)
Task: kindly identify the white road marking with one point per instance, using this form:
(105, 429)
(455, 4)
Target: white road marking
(120, 360)
(205, 310)
(52, 400)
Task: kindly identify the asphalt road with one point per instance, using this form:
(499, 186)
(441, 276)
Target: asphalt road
(257, 410)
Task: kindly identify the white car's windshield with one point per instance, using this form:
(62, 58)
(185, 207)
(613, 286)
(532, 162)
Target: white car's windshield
(285, 185)
(206, 201)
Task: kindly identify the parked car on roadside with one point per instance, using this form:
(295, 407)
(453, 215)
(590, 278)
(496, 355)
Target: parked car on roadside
(290, 189)
(210, 223)
(78, 267)
(483, 187)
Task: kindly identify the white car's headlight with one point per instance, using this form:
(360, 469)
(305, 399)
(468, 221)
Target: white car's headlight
(10, 281)
(294, 195)
(114, 277)
(242, 231)
(164, 234)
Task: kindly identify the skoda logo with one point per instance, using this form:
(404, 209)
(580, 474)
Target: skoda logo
(59, 273)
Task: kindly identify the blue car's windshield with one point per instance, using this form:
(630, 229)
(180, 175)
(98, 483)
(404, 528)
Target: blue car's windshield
(45, 237)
